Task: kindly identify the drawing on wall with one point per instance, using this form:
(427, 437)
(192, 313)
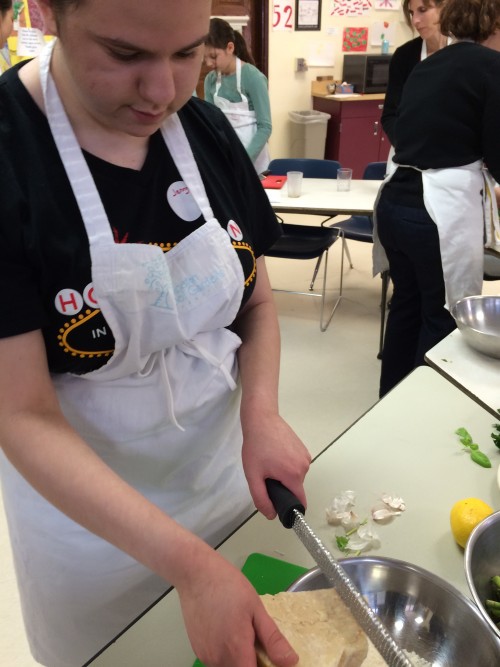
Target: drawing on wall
(355, 39)
(26, 14)
(36, 17)
(350, 7)
(381, 30)
(321, 54)
(307, 14)
(26, 39)
(387, 5)
(20, 16)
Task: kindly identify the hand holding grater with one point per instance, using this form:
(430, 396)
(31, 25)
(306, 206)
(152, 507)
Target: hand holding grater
(291, 514)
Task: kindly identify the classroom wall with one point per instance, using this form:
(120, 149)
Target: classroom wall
(290, 90)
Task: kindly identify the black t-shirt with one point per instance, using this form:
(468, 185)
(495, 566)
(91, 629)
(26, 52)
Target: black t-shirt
(448, 117)
(45, 268)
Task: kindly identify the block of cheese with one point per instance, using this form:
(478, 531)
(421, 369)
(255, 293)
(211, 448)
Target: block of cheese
(319, 627)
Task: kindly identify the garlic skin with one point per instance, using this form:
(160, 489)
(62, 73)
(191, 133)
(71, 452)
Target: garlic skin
(354, 535)
(340, 512)
(363, 539)
(390, 506)
(394, 502)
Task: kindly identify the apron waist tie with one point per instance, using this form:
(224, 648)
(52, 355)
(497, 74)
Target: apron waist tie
(194, 348)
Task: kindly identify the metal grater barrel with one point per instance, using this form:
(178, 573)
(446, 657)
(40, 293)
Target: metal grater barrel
(291, 514)
(352, 598)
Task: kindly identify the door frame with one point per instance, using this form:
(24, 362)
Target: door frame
(259, 21)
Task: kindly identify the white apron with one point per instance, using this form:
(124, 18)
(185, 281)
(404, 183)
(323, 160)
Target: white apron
(243, 120)
(163, 413)
(460, 201)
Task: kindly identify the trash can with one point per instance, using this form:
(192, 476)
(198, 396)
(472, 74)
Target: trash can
(308, 133)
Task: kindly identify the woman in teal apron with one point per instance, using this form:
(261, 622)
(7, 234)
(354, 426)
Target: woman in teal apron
(239, 89)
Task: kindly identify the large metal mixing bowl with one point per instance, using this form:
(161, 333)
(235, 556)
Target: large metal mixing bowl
(482, 561)
(424, 614)
(478, 319)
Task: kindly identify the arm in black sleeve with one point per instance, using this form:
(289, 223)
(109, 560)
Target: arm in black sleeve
(490, 133)
(402, 62)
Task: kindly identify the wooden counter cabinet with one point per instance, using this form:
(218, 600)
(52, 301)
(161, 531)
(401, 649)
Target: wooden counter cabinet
(354, 133)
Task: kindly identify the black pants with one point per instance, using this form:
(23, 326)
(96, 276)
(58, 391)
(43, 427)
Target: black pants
(417, 319)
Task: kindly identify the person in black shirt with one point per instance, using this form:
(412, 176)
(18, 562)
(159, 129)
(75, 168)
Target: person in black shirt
(423, 15)
(139, 343)
(431, 213)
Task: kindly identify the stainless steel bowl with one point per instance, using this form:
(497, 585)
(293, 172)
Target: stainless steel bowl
(478, 319)
(423, 613)
(482, 561)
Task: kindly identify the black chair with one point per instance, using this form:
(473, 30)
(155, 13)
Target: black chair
(306, 241)
(360, 228)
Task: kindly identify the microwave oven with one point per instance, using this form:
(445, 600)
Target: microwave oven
(369, 73)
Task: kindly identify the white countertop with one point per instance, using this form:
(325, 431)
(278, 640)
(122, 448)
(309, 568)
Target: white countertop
(406, 446)
(475, 373)
(320, 196)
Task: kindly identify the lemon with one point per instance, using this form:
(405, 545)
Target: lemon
(465, 516)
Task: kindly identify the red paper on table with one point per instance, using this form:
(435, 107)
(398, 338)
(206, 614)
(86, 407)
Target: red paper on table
(273, 182)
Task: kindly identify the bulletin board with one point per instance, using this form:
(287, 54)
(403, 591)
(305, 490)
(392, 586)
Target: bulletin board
(28, 33)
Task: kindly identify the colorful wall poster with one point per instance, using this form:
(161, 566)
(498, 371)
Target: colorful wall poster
(350, 7)
(381, 30)
(355, 39)
(387, 5)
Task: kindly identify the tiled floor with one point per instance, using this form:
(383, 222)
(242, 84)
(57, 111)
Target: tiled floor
(328, 380)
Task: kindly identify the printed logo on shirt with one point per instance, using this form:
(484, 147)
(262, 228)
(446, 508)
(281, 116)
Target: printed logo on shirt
(234, 231)
(70, 302)
(84, 331)
(182, 201)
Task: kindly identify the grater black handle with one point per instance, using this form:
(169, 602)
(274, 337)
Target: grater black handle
(284, 501)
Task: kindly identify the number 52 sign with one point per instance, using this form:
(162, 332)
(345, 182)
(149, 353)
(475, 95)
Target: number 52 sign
(283, 15)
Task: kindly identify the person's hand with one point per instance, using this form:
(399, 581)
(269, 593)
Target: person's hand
(224, 618)
(271, 449)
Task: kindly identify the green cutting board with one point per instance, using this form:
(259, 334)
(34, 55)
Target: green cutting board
(268, 575)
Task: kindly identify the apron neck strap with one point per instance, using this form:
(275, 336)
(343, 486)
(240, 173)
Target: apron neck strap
(79, 175)
(178, 145)
(84, 189)
(238, 79)
(238, 75)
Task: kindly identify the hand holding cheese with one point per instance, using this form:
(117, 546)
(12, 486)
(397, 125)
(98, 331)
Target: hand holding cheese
(227, 638)
(321, 629)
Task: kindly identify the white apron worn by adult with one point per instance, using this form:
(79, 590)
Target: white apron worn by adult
(242, 118)
(163, 413)
(459, 201)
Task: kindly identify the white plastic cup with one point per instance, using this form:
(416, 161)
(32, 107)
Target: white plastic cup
(344, 177)
(294, 183)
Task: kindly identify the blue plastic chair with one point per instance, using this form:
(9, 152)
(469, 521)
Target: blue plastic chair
(360, 227)
(310, 167)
